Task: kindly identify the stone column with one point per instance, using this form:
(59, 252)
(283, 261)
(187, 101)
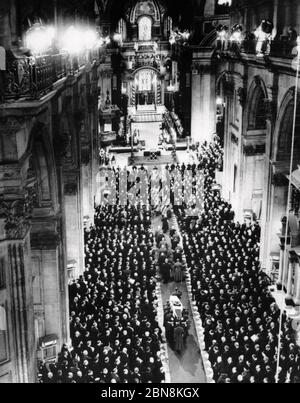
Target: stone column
(228, 144)
(210, 6)
(14, 239)
(297, 285)
(74, 225)
(7, 23)
(289, 284)
(50, 286)
(203, 126)
(281, 267)
(268, 188)
(196, 105)
(87, 195)
(275, 17)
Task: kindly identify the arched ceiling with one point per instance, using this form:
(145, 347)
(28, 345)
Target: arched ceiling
(182, 11)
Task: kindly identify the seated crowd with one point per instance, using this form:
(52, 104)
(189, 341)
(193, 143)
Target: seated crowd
(239, 314)
(114, 329)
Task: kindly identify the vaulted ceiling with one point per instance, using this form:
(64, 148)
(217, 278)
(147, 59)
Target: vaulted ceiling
(107, 7)
(180, 9)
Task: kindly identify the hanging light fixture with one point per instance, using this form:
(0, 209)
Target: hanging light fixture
(39, 38)
(225, 3)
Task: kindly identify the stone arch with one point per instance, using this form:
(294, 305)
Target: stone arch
(225, 84)
(256, 105)
(65, 142)
(122, 28)
(210, 39)
(224, 90)
(148, 8)
(41, 172)
(284, 130)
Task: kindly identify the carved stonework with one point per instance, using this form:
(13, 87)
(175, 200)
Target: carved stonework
(17, 77)
(17, 214)
(242, 96)
(270, 109)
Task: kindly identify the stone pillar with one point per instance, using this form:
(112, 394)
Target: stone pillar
(281, 267)
(196, 105)
(268, 188)
(14, 239)
(275, 17)
(210, 6)
(228, 144)
(203, 126)
(87, 195)
(297, 284)
(74, 225)
(50, 286)
(289, 284)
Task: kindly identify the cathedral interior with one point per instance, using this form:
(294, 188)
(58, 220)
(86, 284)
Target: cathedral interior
(100, 284)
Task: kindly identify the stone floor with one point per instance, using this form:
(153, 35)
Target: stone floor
(187, 367)
(149, 132)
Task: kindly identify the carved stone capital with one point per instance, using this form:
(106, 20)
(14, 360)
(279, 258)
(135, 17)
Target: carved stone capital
(11, 125)
(16, 221)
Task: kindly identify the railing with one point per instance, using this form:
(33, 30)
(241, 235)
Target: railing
(30, 78)
(138, 63)
(282, 48)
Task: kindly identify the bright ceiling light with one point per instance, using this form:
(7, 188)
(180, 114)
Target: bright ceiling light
(39, 39)
(73, 40)
(220, 101)
(117, 37)
(90, 39)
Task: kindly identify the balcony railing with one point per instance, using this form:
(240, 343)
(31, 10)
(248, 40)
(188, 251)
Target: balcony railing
(282, 48)
(30, 78)
(139, 63)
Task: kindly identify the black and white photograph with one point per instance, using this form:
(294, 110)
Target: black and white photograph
(149, 194)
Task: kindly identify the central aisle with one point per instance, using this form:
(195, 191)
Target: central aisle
(188, 367)
(149, 132)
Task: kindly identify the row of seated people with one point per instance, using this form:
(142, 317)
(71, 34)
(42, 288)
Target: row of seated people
(209, 159)
(114, 328)
(239, 314)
